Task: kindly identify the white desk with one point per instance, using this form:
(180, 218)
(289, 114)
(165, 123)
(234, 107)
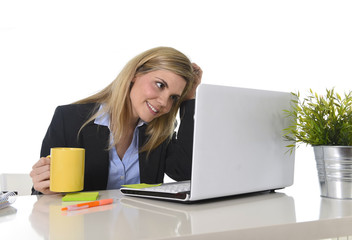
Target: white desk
(264, 216)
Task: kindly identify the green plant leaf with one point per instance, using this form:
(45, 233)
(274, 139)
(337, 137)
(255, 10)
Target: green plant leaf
(320, 119)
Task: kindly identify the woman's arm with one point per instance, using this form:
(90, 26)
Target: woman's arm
(179, 151)
(40, 173)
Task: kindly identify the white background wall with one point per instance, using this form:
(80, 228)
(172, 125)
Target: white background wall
(56, 52)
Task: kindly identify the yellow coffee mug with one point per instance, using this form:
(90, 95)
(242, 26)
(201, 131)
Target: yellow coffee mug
(66, 169)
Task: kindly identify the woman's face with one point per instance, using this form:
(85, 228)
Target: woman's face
(153, 94)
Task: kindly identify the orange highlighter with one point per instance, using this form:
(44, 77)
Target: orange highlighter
(88, 205)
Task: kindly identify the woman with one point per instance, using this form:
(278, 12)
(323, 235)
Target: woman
(127, 129)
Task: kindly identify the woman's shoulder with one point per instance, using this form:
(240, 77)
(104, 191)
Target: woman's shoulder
(77, 110)
(78, 107)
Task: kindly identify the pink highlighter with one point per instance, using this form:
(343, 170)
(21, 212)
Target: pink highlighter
(88, 205)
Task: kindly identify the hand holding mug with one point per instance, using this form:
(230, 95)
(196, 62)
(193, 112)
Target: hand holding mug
(40, 175)
(62, 171)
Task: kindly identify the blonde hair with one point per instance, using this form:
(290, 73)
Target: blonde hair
(116, 101)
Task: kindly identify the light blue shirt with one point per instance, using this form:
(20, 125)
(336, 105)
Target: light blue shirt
(125, 171)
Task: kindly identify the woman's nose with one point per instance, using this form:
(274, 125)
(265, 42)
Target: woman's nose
(164, 100)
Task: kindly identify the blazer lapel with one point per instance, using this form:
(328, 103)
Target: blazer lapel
(95, 138)
(150, 168)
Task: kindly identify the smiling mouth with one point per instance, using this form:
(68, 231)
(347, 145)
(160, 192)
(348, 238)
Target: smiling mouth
(152, 108)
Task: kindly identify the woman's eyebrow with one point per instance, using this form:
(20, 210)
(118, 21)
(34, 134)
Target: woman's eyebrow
(166, 85)
(164, 82)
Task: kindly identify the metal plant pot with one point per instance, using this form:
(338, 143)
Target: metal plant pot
(334, 165)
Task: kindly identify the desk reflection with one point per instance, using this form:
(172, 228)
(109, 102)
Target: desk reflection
(7, 214)
(135, 218)
(51, 223)
(335, 208)
(219, 215)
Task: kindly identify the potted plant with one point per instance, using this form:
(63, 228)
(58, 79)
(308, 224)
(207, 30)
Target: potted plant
(325, 123)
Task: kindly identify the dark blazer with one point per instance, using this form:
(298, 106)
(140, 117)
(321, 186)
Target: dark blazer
(171, 157)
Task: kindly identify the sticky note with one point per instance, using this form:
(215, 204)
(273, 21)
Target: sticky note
(141, 185)
(81, 196)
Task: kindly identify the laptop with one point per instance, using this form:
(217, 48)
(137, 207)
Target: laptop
(238, 146)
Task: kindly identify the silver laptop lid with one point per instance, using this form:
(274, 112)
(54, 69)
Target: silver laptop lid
(238, 144)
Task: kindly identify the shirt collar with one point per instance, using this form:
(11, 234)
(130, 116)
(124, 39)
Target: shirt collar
(104, 119)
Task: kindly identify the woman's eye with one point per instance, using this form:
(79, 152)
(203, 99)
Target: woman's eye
(160, 85)
(175, 98)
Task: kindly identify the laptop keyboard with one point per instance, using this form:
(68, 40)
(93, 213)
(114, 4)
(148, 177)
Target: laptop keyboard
(176, 187)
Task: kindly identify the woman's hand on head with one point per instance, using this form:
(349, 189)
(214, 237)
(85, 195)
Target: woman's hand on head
(197, 80)
(40, 175)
